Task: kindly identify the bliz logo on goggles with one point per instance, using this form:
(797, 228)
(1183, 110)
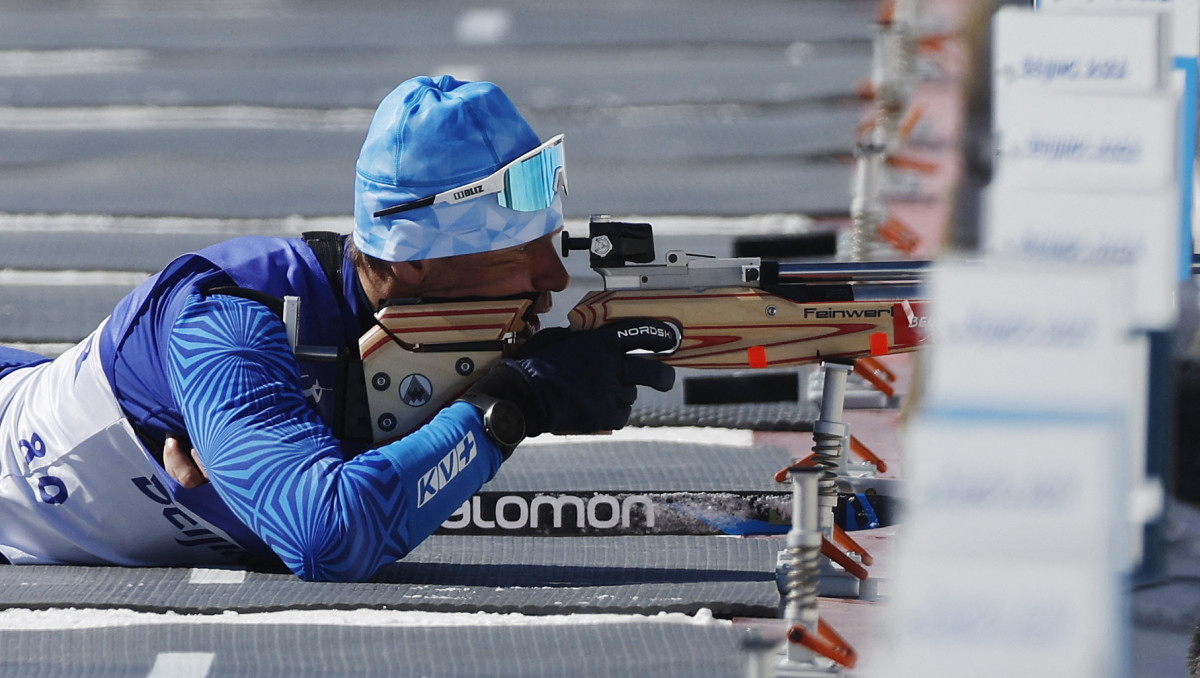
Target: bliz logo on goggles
(527, 184)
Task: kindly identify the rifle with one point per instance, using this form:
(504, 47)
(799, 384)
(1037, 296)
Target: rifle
(744, 312)
(731, 313)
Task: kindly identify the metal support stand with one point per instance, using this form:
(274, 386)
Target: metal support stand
(804, 553)
(893, 76)
(813, 647)
(830, 434)
(840, 574)
(866, 208)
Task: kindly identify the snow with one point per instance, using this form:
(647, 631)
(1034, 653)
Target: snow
(59, 619)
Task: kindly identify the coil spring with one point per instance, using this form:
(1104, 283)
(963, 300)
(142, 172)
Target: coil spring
(863, 236)
(827, 449)
(893, 91)
(903, 53)
(804, 570)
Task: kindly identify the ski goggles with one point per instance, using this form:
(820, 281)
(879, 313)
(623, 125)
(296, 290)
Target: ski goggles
(527, 184)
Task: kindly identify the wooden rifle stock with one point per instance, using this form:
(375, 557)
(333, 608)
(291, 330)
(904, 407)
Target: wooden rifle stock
(739, 327)
(744, 312)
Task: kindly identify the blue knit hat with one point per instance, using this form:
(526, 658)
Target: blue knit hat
(429, 136)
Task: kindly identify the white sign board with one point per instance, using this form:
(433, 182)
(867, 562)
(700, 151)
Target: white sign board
(1000, 619)
(1074, 53)
(1087, 143)
(1138, 232)
(1041, 490)
(1028, 338)
(1185, 17)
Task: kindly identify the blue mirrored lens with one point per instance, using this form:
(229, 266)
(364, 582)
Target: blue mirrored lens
(530, 185)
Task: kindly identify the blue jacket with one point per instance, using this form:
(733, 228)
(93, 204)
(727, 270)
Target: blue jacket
(217, 369)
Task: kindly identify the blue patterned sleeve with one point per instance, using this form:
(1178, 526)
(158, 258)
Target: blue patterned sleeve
(280, 469)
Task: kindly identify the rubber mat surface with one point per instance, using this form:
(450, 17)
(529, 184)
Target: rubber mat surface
(639, 465)
(529, 575)
(754, 416)
(184, 650)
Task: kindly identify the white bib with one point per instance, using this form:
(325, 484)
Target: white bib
(76, 484)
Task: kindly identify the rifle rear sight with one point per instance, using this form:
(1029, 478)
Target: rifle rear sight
(613, 244)
(623, 254)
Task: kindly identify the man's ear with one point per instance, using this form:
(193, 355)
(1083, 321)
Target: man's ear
(410, 274)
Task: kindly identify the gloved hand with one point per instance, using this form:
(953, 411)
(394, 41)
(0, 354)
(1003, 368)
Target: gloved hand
(580, 382)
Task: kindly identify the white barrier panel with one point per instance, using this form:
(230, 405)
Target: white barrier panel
(993, 488)
(1065, 53)
(1022, 342)
(1054, 142)
(1015, 535)
(1185, 17)
(1137, 232)
(1019, 337)
(1003, 619)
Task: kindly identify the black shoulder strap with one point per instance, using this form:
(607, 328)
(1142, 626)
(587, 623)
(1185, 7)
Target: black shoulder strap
(327, 246)
(351, 415)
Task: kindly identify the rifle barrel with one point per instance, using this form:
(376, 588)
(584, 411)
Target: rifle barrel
(907, 272)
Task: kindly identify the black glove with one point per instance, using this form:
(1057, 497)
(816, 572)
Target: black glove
(579, 382)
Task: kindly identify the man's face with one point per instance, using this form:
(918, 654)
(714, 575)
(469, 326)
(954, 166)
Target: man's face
(534, 267)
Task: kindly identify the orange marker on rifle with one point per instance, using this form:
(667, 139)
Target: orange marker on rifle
(879, 343)
(756, 356)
